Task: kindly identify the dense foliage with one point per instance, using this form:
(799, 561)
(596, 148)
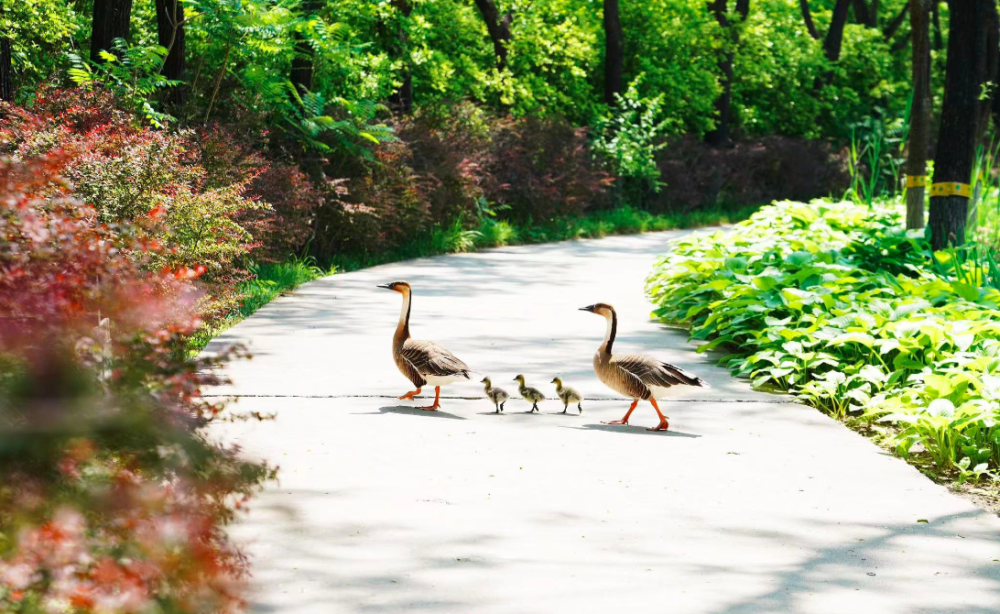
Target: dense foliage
(112, 497)
(840, 305)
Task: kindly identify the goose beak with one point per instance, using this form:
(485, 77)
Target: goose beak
(552, 382)
(482, 381)
(386, 286)
(589, 308)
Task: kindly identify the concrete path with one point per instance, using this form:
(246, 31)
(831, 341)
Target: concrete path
(750, 503)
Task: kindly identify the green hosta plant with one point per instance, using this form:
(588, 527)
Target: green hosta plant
(839, 305)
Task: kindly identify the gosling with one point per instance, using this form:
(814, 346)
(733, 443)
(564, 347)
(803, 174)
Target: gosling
(568, 395)
(499, 396)
(532, 395)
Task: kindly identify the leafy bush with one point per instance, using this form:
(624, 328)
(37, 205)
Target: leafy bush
(628, 138)
(112, 499)
(840, 305)
(128, 173)
(544, 168)
(750, 173)
(445, 163)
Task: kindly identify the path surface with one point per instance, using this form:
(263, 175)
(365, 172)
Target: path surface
(749, 504)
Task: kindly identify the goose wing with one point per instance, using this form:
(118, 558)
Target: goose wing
(429, 358)
(653, 372)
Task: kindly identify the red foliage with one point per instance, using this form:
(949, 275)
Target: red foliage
(229, 156)
(110, 498)
(543, 168)
(443, 163)
(751, 173)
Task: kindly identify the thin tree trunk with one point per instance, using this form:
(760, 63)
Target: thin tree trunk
(301, 74)
(614, 52)
(218, 82)
(916, 161)
(111, 20)
(900, 44)
(936, 19)
(401, 100)
(893, 27)
(863, 14)
(498, 28)
(719, 136)
(835, 35)
(966, 71)
(6, 71)
(170, 34)
(807, 17)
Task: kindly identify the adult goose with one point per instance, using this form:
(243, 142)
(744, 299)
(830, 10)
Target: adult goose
(636, 376)
(422, 362)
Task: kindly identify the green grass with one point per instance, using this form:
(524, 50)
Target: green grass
(270, 280)
(273, 279)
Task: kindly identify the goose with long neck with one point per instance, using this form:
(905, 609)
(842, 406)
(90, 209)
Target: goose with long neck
(422, 362)
(637, 376)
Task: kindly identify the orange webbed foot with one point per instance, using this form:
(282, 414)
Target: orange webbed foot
(409, 395)
(662, 426)
(618, 422)
(437, 399)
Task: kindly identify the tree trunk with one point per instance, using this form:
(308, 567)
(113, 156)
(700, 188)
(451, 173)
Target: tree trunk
(863, 14)
(936, 19)
(498, 28)
(835, 35)
(301, 75)
(807, 17)
(719, 136)
(893, 27)
(614, 51)
(6, 70)
(401, 100)
(916, 161)
(111, 21)
(966, 71)
(170, 34)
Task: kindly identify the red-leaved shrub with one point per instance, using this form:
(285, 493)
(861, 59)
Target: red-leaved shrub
(129, 173)
(111, 498)
(750, 173)
(444, 163)
(543, 168)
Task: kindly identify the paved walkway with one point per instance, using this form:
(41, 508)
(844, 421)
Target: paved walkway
(749, 503)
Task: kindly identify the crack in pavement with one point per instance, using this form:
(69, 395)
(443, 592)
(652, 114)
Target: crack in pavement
(458, 398)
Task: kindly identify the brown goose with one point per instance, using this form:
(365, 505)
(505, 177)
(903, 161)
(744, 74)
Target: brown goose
(635, 375)
(422, 362)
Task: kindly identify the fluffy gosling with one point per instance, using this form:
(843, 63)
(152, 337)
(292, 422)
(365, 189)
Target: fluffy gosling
(568, 395)
(499, 396)
(532, 395)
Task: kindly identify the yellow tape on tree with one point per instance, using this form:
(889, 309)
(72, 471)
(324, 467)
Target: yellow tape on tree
(916, 181)
(951, 188)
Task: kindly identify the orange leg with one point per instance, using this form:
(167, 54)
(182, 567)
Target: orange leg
(437, 400)
(409, 395)
(624, 420)
(663, 425)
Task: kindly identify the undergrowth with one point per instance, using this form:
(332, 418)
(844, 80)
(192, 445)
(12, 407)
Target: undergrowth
(838, 304)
